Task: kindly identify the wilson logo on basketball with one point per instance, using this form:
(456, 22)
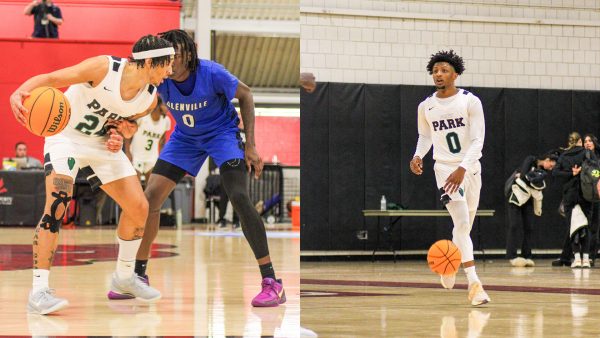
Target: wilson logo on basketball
(58, 118)
(2, 188)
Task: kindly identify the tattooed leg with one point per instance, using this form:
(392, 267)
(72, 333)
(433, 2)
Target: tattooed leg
(59, 189)
(127, 192)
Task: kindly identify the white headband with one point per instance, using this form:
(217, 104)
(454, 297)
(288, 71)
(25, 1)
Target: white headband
(153, 53)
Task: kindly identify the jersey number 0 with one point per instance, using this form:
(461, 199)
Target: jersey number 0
(188, 120)
(453, 143)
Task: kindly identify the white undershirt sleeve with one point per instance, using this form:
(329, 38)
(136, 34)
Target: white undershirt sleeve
(424, 142)
(476, 133)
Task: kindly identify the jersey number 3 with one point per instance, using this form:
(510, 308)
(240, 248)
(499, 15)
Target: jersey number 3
(453, 143)
(149, 145)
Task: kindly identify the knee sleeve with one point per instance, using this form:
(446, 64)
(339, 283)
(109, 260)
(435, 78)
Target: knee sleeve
(53, 220)
(462, 228)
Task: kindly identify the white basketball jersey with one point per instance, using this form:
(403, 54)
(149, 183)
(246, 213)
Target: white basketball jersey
(91, 107)
(452, 123)
(144, 145)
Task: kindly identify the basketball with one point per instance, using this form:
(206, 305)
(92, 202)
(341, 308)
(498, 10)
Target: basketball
(444, 257)
(49, 111)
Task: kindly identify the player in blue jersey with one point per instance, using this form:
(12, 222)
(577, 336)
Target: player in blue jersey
(199, 94)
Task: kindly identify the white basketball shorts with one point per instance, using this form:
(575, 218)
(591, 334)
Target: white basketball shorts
(66, 156)
(143, 166)
(469, 189)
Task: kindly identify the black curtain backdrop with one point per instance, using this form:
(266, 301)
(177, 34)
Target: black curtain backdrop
(357, 141)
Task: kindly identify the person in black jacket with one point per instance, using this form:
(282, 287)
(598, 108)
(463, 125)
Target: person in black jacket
(590, 143)
(569, 167)
(525, 200)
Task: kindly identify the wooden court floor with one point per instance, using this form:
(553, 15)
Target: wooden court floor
(383, 299)
(207, 279)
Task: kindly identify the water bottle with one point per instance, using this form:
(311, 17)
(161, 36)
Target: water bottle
(383, 203)
(178, 218)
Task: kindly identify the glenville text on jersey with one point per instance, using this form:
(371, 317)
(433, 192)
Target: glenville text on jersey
(187, 106)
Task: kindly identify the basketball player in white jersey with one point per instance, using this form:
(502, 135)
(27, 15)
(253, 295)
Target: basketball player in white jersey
(451, 120)
(104, 92)
(148, 140)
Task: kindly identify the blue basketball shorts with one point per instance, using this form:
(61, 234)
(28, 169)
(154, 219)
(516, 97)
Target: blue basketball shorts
(190, 152)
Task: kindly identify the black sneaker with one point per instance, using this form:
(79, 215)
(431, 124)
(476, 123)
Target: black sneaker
(222, 224)
(236, 225)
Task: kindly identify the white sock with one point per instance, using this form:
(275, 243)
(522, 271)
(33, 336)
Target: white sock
(577, 256)
(586, 256)
(40, 279)
(126, 259)
(472, 275)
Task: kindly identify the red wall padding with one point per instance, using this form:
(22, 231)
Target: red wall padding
(113, 20)
(24, 58)
(278, 136)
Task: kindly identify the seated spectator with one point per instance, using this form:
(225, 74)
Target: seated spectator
(46, 18)
(21, 153)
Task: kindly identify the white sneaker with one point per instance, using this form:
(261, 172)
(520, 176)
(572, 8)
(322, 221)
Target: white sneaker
(518, 262)
(44, 302)
(134, 287)
(448, 281)
(478, 296)
(576, 263)
(529, 262)
(585, 263)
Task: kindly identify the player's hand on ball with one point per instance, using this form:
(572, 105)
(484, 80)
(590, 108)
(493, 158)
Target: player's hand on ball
(416, 165)
(253, 160)
(454, 180)
(115, 141)
(16, 104)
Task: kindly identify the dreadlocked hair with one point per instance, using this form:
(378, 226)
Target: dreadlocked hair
(443, 56)
(150, 42)
(184, 44)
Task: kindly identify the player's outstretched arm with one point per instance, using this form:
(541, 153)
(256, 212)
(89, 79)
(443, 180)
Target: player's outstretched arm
(253, 160)
(91, 70)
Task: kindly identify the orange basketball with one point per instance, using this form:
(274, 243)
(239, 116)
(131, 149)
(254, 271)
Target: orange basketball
(443, 257)
(49, 111)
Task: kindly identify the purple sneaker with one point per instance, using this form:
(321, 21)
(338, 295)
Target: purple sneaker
(272, 293)
(118, 296)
